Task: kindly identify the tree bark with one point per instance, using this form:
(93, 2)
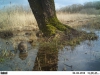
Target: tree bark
(45, 14)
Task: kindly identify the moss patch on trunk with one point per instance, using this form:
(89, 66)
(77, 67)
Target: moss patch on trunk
(52, 26)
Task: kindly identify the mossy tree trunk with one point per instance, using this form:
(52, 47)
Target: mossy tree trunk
(45, 14)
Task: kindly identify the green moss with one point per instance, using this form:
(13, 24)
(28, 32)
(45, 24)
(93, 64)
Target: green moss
(1, 59)
(60, 26)
(51, 30)
(55, 22)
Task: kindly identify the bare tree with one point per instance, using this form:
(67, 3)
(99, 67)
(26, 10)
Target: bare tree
(45, 14)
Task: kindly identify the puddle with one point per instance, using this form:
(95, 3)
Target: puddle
(20, 62)
(84, 57)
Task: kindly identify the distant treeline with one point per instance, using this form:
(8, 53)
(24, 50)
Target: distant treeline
(88, 7)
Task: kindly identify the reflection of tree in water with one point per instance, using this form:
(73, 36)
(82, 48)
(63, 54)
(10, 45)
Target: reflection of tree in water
(47, 56)
(46, 60)
(23, 56)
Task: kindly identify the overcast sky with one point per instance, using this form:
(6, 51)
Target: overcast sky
(58, 3)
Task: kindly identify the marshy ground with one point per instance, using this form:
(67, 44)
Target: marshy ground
(46, 53)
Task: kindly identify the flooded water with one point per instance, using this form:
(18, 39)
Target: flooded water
(83, 57)
(20, 62)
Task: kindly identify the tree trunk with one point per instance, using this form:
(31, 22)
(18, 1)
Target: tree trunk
(44, 12)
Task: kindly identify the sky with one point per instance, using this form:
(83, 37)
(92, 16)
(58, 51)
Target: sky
(58, 3)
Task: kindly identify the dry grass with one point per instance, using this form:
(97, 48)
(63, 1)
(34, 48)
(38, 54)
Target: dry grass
(20, 19)
(67, 16)
(74, 19)
(11, 20)
(24, 22)
(20, 22)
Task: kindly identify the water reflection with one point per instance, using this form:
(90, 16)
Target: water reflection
(20, 61)
(46, 60)
(84, 57)
(23, 56)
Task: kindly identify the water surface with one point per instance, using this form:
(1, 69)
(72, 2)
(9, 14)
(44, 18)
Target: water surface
(19, 62)
(84, 57)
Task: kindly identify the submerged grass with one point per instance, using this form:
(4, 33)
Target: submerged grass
(2, 59)
(6, 54)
